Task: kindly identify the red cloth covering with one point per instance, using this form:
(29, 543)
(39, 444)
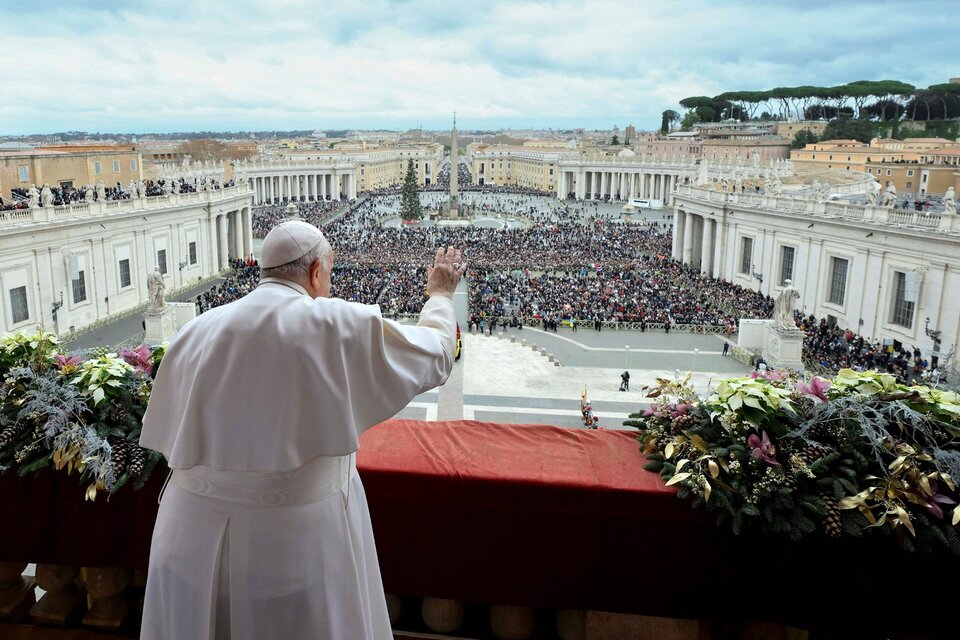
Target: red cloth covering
(520, 514)
(45, 519)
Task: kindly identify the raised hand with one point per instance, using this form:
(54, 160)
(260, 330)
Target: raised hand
(443, 276)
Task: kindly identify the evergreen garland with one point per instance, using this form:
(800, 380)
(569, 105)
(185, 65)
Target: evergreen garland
(851, 456)
(67, 413)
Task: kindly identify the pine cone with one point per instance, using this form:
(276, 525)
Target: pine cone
(137, 459)
(809, 455)
(119, 415)
(678, 424)
(11, 433)
(831, 523)
(120, 454)
(790, 480)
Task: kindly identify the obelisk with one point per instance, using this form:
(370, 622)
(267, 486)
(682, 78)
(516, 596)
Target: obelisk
(454, 167)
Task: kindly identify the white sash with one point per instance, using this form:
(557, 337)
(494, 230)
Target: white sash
(314, 481)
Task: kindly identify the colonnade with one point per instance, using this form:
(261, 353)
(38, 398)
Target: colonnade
(231, 236)
(613, 184)
(277, 188)
(695, 241)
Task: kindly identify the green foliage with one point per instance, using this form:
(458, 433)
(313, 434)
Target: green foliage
(669, 118)
(615, 140)
(803, 138)
(75, 415)
(856, 455)
(689, 119)
(846, 129)
(410, 207)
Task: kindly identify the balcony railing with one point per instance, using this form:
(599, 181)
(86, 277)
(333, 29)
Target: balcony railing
(873, 214)
(112, 207)
(558, 529)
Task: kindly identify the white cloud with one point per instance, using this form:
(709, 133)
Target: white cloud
(182, 65)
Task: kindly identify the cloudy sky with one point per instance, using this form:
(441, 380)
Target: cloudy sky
(174, 65)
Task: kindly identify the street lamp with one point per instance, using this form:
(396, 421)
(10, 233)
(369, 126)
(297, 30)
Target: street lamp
(696, 352)
(626, 356)
(935, 354)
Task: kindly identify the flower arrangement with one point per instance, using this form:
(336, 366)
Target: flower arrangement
(854, 455)
(75, 414)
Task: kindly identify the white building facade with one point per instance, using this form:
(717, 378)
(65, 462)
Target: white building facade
(615, 178)
(69, 267)
(315, 176)
(878, 271)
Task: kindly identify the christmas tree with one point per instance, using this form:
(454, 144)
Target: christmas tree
(410, 207)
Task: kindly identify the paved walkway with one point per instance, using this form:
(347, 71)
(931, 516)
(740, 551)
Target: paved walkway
(130, 326)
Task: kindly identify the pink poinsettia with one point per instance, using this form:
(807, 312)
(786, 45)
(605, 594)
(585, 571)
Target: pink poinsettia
(763, 449)
(774, 375)
(139, 358)
(817, 388)
(62, 361)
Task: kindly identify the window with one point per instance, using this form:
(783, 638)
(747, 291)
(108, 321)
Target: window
(909, 172)
(162, 260)
(133, 164)
(116, 166)
(125, 273)
(888, 171)
(97, 168)
(786, 265)
(909, 185)
(838, 280)
(904, 298)
(23, 173)
(18, 305)
(746, 255)
(79, 285)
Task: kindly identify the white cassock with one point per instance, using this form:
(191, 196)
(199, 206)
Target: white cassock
(263, 530)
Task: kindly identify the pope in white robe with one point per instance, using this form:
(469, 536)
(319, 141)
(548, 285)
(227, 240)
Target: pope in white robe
(263, 529)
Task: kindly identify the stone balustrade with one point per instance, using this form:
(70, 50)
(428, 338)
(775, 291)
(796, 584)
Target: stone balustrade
(870, 214)
(99, 208)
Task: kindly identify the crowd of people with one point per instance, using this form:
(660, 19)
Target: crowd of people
(63, 195)
(832, 348)
(650, 290)
(571, 265)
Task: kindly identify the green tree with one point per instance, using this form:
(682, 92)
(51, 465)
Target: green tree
(670, 117)
(850, 129)
(803, 138)
(615, 140)
(689, 119)
(410, 207)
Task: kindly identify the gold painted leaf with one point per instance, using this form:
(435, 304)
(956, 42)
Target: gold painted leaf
(680, 477)
(714, 468)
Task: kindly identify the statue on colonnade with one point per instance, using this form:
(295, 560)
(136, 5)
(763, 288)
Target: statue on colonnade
(33, 197)
(46, 195)
(156, 288)
(950, 202)
(890, 196)
(873, 192)
(88, 193)
(783, 307)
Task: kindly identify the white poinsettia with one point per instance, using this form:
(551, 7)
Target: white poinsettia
(868, 383)
(737, 394)
(99, 374)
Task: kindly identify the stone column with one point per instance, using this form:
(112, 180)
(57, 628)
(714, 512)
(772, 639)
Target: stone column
(678, 224)
(323, 186)
(335, 185)
(240, 234)
(211, 248)
(248, 231)
(688, 240)
(313, 188)
(706, 251)
(222, 242)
